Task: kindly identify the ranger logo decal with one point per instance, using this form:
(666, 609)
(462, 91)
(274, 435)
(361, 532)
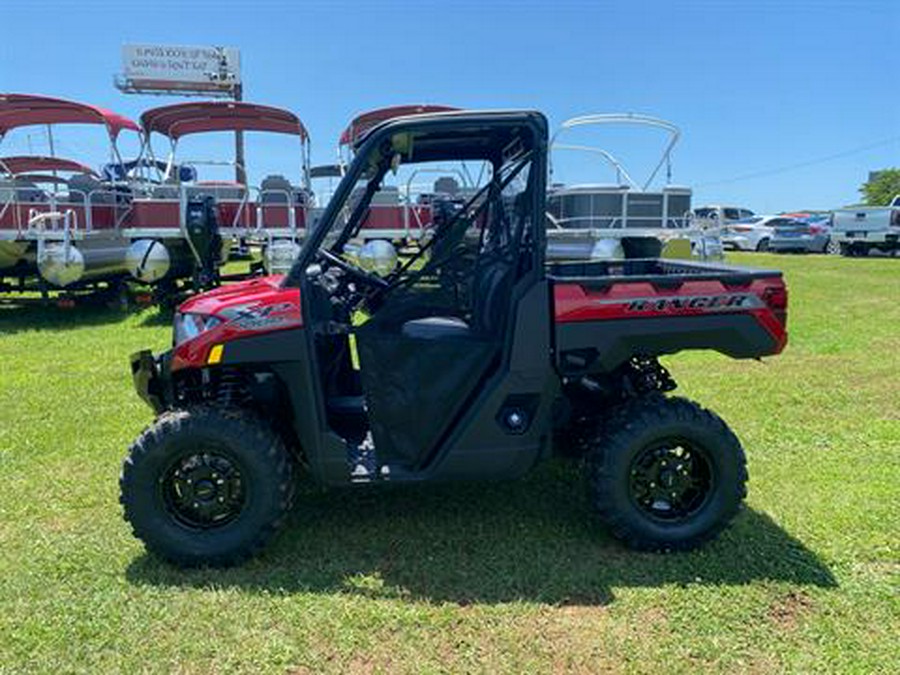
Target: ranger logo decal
(724, 302)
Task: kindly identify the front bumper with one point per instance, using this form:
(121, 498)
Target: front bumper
(151, 378)
(737, 243)
(890, 237)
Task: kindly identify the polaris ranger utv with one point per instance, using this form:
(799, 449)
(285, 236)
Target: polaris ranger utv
(471, 359)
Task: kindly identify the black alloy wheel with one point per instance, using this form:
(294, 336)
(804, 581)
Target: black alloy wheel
(665, 474)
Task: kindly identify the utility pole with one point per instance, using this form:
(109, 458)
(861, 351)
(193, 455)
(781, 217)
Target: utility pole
(240, 175)
(52, 154)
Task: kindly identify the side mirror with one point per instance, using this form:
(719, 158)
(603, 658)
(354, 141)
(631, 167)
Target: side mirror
(378, 256)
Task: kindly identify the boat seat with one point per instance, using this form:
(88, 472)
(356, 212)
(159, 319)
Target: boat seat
(83, 186)
(26, 191)
(446, 185)
(275, 189)
(165, 192)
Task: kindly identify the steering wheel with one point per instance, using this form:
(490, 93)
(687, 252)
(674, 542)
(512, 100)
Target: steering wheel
(355, 272)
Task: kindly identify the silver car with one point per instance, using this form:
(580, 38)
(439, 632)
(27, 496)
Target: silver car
(751, 234)
(809, 235)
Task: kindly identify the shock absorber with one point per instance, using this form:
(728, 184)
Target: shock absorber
(232, 390)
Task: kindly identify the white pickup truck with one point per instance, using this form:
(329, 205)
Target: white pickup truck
(859, 229)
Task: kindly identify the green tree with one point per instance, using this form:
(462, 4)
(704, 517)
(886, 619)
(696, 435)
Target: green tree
(882, 188)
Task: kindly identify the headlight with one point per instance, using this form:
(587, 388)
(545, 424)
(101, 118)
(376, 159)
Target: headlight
(188, 326)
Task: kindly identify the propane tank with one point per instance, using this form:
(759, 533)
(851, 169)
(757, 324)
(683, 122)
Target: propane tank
(148, 260)
(280, 255)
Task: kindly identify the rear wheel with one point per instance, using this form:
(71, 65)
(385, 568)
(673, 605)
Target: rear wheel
(666, 474)
(207, 486)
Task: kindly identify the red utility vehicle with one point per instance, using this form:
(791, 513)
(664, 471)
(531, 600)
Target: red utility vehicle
(475, 359)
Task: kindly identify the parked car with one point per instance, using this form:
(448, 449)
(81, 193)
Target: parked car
(858, 230)
(719, 216)
(807, 235)
(751, 234)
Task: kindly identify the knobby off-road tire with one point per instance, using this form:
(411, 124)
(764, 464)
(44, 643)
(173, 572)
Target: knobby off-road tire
(207, 486)
(656, 447)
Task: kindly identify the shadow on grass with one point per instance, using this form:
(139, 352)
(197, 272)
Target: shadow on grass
(532, 541)
(153, 318)
(31, 314)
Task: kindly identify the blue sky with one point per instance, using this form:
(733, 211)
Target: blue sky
(783, 105)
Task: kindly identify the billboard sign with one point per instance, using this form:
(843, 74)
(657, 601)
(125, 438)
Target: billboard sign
(148, 68)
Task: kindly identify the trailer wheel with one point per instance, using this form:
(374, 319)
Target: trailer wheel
(207, 486)
(666, 474)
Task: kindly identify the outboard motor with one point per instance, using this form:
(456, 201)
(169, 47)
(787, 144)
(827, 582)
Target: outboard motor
(202, 226)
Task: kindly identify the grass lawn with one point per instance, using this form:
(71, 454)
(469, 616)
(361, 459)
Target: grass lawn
(490, 578)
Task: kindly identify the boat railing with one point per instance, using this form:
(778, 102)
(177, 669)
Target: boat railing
(63, 214)
(618, 222)
(37, 227)
(286, 200)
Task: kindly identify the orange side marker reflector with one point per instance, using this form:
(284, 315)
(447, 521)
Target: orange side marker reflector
(215, 355)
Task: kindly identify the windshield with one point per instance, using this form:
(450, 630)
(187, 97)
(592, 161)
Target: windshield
(749, 221)
(402, 205)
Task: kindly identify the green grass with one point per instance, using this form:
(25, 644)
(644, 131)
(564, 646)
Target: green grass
(498, 577)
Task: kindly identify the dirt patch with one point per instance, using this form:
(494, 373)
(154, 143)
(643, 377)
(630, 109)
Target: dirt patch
(786, 611)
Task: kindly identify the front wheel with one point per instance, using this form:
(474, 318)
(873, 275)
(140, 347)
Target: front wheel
(666, 474)
(206, 486)
(763, 245)
(833, 247)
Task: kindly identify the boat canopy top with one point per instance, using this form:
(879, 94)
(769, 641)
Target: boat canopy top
(21, 110)
(181, 119)
(363, 122)
(623, 176)
(34, 163)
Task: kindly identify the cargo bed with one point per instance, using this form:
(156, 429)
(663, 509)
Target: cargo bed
(605, 312)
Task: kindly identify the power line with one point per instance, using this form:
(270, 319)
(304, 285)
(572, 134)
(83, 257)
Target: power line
(800, 165)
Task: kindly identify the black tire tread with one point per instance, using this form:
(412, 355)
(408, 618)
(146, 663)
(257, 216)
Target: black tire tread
(245, 427)
(615, 436)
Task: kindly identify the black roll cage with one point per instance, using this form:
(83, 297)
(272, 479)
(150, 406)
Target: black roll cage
(461, 216)
(439, 122)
